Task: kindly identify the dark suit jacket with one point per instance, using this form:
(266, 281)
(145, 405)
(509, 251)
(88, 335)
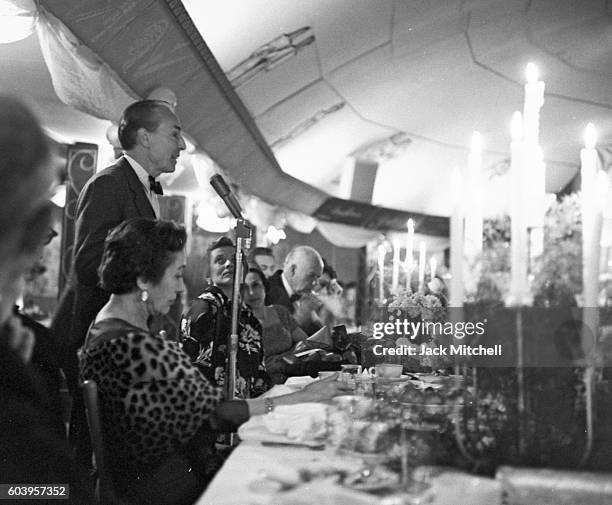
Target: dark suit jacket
(33, 448)
(109, 198)
(276, 293)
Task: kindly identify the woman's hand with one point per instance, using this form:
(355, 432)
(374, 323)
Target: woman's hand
(325, 389)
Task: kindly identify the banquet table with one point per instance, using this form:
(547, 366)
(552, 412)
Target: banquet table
(241, 480)
(236, 482)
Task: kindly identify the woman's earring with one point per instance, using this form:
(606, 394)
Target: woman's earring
(144, 295)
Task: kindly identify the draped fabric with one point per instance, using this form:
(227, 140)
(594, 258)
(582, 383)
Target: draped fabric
(80, 78)
(104, 55)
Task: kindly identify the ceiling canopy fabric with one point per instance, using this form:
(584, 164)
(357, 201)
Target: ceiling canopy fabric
(104, 55)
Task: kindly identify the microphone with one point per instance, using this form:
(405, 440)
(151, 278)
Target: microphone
(223, 190)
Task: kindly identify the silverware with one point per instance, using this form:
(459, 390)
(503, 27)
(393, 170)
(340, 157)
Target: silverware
(318, 447)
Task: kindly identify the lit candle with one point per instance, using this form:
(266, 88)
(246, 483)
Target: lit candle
(409, 260)
(535, 169)
(534, 99)
(433, 265)
(473, 218)
(591, 236)
(456, 241)
(396, 265)
(382, 251)
(422, 262)
(518, 224)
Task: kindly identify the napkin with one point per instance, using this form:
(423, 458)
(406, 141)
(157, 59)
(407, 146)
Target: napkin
(298, 382)
(302, 421)
(531, 486)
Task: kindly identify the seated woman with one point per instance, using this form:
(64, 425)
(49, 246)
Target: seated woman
(157, 408)
(206, 325)
(33, 447)
(280, 331)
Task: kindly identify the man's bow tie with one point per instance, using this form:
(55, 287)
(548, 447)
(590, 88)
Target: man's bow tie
(155, 186)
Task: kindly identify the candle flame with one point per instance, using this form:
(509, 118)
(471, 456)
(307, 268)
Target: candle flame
(476, 145)
(531, 72)
(590, 136)
(516, 127)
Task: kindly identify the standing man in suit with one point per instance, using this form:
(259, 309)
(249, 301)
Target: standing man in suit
(303, 267)
(150, 135)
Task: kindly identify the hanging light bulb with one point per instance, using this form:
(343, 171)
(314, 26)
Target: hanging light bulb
(17, 20)
(208, 220)
(275, 235)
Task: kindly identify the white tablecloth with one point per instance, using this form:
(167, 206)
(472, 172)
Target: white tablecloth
(240, 482)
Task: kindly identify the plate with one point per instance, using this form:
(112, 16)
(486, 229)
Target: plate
(371, 479)
(383, 380)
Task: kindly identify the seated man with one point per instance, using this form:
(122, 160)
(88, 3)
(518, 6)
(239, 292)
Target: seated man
(303, 267)
(324, 306)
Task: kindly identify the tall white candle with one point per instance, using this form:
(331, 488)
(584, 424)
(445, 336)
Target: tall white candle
(474, 214)
(534, 99)
(396, 265)
(382, 251)
(456, 240)
(518, 223)
(409, 260)
(591, 235)
(422, 262)
(535, 169)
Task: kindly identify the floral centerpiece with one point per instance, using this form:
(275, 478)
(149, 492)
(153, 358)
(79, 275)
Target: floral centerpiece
(411, 307)
(417, 306)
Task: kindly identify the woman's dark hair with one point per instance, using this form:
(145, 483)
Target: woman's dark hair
(257, 271)
(136, 248)
(146, 114)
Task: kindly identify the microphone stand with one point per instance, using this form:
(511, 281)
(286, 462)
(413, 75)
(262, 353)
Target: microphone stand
(243, 238)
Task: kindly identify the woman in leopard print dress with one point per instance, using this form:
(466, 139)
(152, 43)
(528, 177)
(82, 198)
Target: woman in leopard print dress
(158, 410)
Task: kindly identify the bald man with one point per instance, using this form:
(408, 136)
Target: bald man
(303, 267)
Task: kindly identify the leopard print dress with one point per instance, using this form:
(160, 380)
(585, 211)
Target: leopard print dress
(153, 400)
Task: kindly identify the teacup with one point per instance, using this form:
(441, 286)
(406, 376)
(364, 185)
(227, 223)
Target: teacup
(386, 370)
(351, 369)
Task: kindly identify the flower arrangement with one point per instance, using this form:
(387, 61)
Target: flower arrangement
(424, 307)
(558, 271)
